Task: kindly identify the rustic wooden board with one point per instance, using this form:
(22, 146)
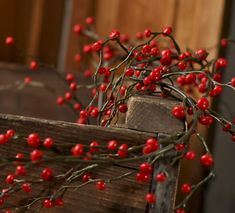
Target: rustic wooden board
(153, 114)
(122, 196)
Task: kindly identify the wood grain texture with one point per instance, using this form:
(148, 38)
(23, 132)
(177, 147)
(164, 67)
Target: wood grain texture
(122, 196)
(134, 15)
(198, 23)
(80, 10)
(153, 114)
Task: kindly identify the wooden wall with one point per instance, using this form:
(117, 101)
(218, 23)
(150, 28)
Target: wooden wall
(39, 25)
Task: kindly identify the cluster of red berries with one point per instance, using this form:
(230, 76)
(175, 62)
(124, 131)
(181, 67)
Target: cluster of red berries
(146, 69)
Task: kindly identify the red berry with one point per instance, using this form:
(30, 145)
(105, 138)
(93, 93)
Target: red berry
(190, 155)
(206, 120)
(103, 87)
(233, 82)
(86, 177)
(33, 65)
(221, 63)
(124, 38)
(181, 80)
(68, 96)
(203, 104)
(10, 133)
(201, 54)
(77, 28)
(139, 35)
(60, 100)
(186, 188)
(73, 86)
(147, 33)
(182, 65)
(224, 42)
(27, 80)
(83, 114)
(122, 108)
(77, 150)
(114, 34)
(26, 187)
(182, 56)
(81, 121)
(77, 106)
(94, 113)
(87, 48)
(70, 77)
(123, 150)
(190, 78)
(129, 72)
(89, 20)
(19, 155)
(146, 49)
(10, 179)
(59, 202)
(155, 51)
(178, 112)
(47, 203)
(20, 170)
(167, 30)
(207, 160)
(9, 40)
(141, 177)
(48, 143)
(161, 177)
(216, 91)
(152, 143)
(97, 46)
(227, 127)
(36, 155)
(77, 57)
(150, 198)
(94, 146)
(100, 185)
(145, 168)
(47, 174)
(3, 139)
(202, 87)
(179, 146)
(180, 211)
(112, 145)
(166, 60)
(33, 140)
(217, 77)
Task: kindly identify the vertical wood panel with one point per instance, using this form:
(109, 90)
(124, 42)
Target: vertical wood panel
(53, 11)
(198, 25)
(81, 10)
(35, 26)
(134, 15)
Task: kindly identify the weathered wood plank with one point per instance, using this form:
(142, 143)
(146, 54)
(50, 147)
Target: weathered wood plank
(69, 132)
(122, 196)
(153, 114)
